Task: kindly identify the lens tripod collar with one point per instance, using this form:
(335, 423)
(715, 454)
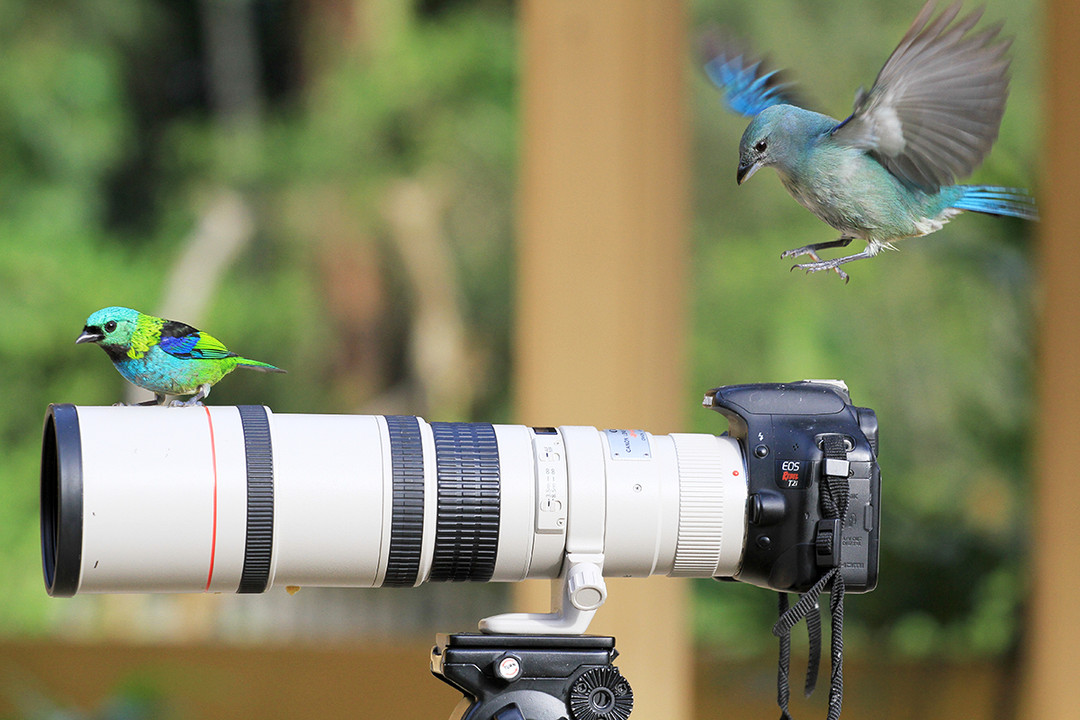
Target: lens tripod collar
(575, 597)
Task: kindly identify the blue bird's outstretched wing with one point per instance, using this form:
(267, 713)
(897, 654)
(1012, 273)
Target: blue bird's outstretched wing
(748, 85)
(936, 106)
(187, 343)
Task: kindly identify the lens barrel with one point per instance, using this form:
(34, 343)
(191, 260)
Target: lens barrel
(239, 499)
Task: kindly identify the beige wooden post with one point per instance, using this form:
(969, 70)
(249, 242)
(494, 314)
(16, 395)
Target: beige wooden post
(1053, 640)
(602, 272)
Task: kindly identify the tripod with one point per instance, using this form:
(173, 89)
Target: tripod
(533, 677)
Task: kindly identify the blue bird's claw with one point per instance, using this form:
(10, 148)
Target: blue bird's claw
(822, 265)
(819, 264)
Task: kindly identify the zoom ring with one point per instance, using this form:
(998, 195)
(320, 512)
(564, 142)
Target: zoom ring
(467, 518)
(259, 534)
(407, 512)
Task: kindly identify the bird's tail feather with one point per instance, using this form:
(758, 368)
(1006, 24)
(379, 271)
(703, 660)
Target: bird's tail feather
(991, 200)
(256, 365)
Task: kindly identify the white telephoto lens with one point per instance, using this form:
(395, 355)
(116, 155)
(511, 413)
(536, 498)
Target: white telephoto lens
(240, 499)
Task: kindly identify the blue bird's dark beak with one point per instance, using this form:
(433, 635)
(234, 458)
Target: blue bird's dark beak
(745, 171)
(90, 334)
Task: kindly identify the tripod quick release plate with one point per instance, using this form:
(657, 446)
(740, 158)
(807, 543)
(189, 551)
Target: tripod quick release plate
(533, 677)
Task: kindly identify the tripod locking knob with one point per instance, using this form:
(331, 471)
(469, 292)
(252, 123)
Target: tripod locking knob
(601, 694)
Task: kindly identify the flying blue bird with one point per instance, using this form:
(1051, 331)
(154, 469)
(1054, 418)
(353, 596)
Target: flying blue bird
(887, 171)
(163, 356)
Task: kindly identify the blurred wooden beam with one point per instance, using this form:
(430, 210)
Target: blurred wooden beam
(1053, 639)
(602, 266)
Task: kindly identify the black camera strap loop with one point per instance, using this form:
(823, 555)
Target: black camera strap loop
(834, 499)
(834, 495)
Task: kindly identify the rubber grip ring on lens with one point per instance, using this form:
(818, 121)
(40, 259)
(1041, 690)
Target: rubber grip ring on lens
(259, 537)
(467, 516)
(407, 511)
(61, 501)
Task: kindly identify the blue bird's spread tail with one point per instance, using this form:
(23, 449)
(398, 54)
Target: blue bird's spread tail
(1002, 201)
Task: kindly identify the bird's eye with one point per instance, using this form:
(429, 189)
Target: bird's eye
(760, 147)
(110, 326)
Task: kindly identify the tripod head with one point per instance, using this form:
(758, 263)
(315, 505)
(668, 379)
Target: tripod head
(533, 677)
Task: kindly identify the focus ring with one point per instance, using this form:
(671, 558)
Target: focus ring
(467, 517)
(407, 512)
(259, 537)
(701, 506)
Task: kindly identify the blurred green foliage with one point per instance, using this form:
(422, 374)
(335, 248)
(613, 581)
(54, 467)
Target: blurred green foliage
(112, 148)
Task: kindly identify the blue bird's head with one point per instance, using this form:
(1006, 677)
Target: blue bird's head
(762, 142)
(779, 136)
(110, 327)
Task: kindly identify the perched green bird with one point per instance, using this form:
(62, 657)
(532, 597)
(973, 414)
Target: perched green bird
(163, 356)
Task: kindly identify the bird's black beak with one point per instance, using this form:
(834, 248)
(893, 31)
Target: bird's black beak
(90, 334)
(745, 171)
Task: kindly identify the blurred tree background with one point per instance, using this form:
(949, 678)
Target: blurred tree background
(329, 186)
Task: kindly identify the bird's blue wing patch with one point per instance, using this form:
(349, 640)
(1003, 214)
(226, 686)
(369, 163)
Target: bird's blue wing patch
(194, 346)
(179, 346)
(747, 84)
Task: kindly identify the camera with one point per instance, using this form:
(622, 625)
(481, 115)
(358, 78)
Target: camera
(239, 499)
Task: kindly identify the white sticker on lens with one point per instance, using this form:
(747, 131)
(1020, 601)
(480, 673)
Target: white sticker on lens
(629, 444)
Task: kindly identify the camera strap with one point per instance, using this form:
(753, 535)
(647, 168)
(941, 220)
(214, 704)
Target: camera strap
(833, 498)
